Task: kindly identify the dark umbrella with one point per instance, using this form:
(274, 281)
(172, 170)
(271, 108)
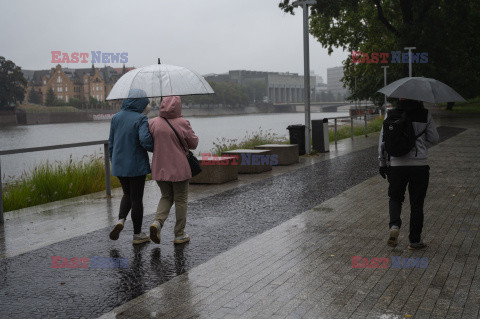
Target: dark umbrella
(422, 89)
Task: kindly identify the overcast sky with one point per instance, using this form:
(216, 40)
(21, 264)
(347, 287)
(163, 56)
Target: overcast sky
(208, 36)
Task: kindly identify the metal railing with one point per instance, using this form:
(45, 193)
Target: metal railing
(56, 147)
(351, 124)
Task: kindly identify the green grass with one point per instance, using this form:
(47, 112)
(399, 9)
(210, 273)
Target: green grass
(51, 182)
(345, 131)
(248, 142)
(470, 107)
(267, 137)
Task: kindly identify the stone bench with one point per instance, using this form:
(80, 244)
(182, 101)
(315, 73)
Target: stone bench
(251, 161)
(287, 154)
(216, 170)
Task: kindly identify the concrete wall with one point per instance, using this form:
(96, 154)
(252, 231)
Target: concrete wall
(7, 118)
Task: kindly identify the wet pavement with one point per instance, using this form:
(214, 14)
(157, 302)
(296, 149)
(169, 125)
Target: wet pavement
(303, 267)
(30, 287)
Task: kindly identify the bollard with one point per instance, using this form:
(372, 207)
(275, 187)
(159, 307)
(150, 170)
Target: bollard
(107, 170)
(351, 127)
(335, 132)
(365, 123)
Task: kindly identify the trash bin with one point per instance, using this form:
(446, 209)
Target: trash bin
(320, 135)
(297, 136)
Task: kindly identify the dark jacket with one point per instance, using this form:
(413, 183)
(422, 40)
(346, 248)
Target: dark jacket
(130, 140)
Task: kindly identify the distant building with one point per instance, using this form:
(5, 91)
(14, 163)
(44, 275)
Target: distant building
(334, 83)
(279, 87)
(80, 84)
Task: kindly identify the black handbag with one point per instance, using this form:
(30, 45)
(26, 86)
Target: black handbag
(192, 160)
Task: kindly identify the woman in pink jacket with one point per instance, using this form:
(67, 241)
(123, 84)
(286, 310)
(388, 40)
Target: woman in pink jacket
(170, 167)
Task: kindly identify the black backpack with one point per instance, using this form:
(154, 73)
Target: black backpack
(398, 133)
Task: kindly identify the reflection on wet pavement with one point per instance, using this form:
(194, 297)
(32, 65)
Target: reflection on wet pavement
(30, 287)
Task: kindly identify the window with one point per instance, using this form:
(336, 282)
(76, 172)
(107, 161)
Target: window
(86, 80)
(66, 98)
(59, 89)
(66, 89)
(60, 97)
(59, 80)
(44, 82)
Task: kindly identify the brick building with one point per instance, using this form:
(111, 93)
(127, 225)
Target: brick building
(80, 84)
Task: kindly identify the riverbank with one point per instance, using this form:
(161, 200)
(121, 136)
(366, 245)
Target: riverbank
(51, 182)
(32, 114)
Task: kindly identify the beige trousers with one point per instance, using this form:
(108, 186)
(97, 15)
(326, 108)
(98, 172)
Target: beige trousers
(173, 192)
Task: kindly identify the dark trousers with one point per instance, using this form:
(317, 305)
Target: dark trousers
(416, 177)
(132, 199)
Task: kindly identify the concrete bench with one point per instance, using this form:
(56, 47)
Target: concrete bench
(216, 170)
(287, 154)
(251, 161)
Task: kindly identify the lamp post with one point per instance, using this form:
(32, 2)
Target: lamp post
(410, 60)
(385, 83)
(306, 62)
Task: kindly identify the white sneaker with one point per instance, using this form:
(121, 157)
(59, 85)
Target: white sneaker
(181, 239)
(140, 238)
(155, 232)
(115, 233)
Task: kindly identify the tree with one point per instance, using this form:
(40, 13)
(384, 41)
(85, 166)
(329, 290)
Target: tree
(75, 103)
(226, 93)
(34, 96)
(447, 30)
(256, 90)
(50, 99)
(12, 83)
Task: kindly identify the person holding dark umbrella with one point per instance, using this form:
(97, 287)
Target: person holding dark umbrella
(403, 150)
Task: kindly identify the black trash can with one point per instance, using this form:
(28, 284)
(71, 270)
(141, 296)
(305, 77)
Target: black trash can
(297, 136)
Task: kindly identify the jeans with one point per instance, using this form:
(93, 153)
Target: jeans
(173, 192)
(416, 177)
(132, 199)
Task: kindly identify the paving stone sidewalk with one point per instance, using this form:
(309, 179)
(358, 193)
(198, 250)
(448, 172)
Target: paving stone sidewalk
(303, 267)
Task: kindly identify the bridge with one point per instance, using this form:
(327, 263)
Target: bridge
(317, 106)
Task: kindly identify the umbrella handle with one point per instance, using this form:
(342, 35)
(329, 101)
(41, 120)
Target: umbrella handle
(159, 61)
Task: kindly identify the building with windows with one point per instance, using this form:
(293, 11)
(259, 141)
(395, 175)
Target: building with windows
(334, 81)
(279, 87)
(80, 84)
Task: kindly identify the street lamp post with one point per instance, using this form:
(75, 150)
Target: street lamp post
(306, 62)
(385, 82)
(410, 60)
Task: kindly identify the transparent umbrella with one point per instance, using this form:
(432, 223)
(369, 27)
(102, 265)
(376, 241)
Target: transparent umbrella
(159, 80)
(422, 89)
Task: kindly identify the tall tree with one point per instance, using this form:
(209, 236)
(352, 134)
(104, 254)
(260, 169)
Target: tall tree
(447, 30)
(34, 96)
(256, 90)
(12, 83)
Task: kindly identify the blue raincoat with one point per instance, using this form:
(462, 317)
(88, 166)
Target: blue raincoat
(130, 140)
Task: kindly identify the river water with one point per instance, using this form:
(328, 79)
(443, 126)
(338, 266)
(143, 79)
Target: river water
(208, 129)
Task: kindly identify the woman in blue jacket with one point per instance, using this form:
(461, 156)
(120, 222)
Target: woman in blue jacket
(128, 145)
